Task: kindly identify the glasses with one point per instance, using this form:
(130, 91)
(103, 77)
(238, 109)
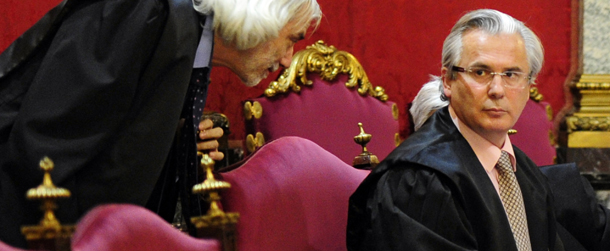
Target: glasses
(511, 79)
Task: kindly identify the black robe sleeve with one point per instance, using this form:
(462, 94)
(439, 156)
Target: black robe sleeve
(84, 89)
(413, 209)
(83, 98)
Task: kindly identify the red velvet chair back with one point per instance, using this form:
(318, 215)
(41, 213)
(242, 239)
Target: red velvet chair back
(6, 247)
(535, 132)
(291, 194)
(324, 110)
(129, 227)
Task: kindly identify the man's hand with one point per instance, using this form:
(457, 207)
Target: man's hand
(208, 139)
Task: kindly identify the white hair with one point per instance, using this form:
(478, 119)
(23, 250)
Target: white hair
(492, 22)
(245, 24)
(427, 101)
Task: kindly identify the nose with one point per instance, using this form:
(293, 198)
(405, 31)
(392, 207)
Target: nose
(287, 58)
(496, 87)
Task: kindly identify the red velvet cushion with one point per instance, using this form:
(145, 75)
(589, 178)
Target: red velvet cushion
(532, 135)
(130, 227)
(328, 114)
(291, 195)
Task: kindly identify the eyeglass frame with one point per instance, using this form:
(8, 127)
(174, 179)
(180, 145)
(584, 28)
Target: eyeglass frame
(493, 74)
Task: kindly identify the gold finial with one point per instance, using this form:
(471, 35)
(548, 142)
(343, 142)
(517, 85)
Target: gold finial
(362, 138)
(49, 227)
(215, 223)
(210, 184)
(365, 160)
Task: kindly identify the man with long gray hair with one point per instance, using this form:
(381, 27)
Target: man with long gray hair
(113, 90)
(458, 183)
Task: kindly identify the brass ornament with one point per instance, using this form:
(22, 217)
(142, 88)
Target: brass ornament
(549, 112)
(252, 142)
(215, 223)
(512, 131)
(395, 111)
(253, 109)
(328, 62)
(535, 94)
(397, 139)
(49, 227)
(365, 160)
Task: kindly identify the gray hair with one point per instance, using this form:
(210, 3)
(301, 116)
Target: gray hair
(245, 24)
(493, 22)
(427, 101)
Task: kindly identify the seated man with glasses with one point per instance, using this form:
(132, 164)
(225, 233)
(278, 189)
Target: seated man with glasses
(458, 183)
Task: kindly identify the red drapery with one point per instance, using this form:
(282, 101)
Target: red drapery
(398, 42)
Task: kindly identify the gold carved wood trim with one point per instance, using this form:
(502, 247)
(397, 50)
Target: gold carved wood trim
(328, 62)
(253, 110)
(535, 95)
(395, 111)
(595, 94)
(589, 127)
(588, 123)
(254, 142)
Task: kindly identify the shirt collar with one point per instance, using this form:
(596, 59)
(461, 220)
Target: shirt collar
(487, 153)
(206, 44)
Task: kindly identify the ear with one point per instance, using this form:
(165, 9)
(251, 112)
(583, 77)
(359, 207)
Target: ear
(447, 81)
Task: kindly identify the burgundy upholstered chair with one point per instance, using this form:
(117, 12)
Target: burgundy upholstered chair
(130, 227)
(535, 131)
(6, 247)
(322, 96)
(291, 194)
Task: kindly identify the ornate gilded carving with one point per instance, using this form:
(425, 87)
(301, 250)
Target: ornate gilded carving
(395, 111)
(535, 95)
(49, 234)
(397, 139)
(595, 93)
(328, 62)
(549, 112)
(589, 126)
(253, 109)
(253, 142)
(592, 86)
(588, 123)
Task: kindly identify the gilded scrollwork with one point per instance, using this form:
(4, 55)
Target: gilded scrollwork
(328, 62)
(535, 94)
(588, 123)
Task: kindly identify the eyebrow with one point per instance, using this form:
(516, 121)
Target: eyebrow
(486, 67)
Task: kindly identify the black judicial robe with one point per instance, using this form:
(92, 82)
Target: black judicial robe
(584, 224)
(97, 86)
(432, 193)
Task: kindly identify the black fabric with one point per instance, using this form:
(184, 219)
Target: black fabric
(98, 86)
(431, 193)
(188, 177)
(586, 222)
